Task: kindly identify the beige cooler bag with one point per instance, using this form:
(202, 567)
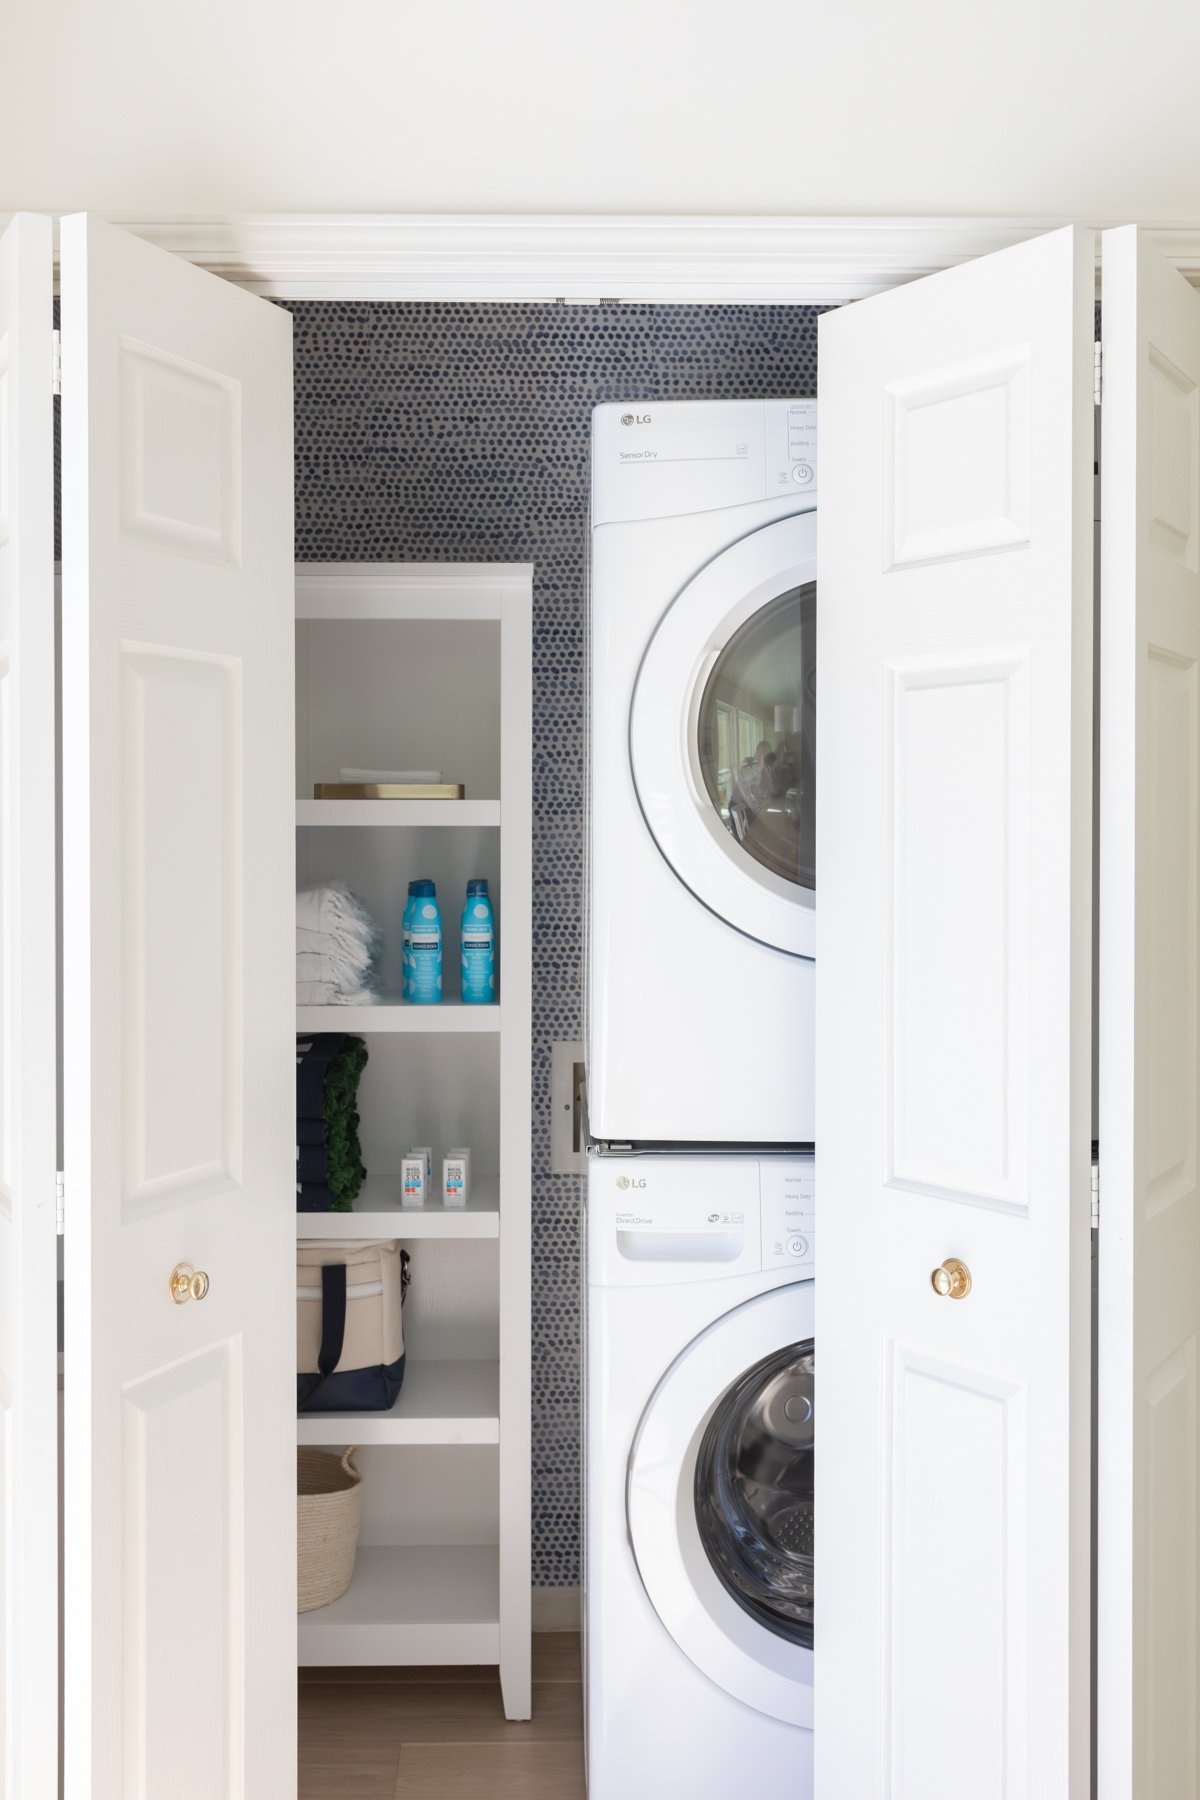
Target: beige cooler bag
(349, 1324)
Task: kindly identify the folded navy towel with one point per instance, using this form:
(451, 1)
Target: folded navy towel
(313, 1057)
(313, 1196)
(312, 1163)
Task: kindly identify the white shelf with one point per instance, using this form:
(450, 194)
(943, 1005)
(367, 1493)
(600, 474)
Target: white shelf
(379, 1214)
(439, 1403)
(412, 1604)
(396, 814)
(395, 1014)
(411, 590)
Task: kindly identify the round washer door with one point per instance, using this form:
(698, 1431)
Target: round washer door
(722, 735)
(714, 1598)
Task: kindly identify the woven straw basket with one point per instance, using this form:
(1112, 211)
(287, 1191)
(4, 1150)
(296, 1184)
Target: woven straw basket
(329, 1500)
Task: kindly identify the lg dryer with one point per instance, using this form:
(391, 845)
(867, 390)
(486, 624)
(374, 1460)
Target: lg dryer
(702, 909)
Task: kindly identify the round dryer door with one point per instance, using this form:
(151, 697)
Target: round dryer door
(723, 735)
(720, 1502)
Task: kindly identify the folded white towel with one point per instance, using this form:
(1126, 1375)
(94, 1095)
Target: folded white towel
(312, 965)
(321, 943)
(323, 993)
(336, 945)
(340, 921)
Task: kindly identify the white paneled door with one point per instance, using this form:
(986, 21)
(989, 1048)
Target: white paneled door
(28, 1241)
(179, 1054)
(953, 1071)
(1149, 1323)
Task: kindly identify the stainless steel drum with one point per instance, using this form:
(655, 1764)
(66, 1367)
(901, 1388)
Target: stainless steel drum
(754, 1491)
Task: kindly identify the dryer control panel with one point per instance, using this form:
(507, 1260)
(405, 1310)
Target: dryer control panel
(787, 1190)
(667, 458)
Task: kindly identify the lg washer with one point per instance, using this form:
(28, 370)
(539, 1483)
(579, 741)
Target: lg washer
(700, 1441)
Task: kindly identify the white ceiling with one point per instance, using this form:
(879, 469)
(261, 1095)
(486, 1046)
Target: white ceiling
(1036, 108)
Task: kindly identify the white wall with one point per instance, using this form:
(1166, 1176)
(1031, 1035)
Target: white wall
(1031, 107)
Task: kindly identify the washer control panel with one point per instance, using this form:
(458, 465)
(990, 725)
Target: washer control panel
(787, 1191)
(791, 461)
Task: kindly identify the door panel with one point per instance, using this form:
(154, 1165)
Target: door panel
(1149, 1594)
(183, 883)
(953, 1081)
(178, 854)
(28, 1082)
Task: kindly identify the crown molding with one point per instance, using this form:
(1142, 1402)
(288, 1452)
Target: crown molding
(534, 257)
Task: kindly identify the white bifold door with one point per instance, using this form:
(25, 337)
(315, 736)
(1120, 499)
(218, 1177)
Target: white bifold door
(1149, 1323)
(178, 883)
(28, 1241)
(955, 1013)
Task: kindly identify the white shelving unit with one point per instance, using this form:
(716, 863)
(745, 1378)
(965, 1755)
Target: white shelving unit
(394, 1014)
(440, 1403)
(412, 1604)
(419, 665)
(379, 1214)
(400, 813)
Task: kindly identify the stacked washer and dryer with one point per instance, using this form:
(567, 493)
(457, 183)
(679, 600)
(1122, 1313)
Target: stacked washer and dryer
(700, 1051)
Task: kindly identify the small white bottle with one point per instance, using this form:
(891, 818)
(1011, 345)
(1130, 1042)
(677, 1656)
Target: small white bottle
(455, 1178)
(414, 1179)
(425, 1150)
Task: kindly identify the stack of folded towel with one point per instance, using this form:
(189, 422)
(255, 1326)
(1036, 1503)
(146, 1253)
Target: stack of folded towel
(337, 944)
(329, 1165)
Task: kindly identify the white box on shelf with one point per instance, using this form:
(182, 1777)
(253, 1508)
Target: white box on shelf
(414, 1179)
(456, 1178)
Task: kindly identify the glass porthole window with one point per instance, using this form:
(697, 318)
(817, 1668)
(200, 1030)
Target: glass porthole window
(757, 727)
(754, 1492)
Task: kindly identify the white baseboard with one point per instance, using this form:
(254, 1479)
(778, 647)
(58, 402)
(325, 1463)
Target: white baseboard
(556, 1609)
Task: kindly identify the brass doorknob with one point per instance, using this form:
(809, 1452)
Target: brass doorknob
(952, 1281)
(187, 1283)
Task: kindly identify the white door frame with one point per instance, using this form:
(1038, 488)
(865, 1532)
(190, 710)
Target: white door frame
(580, 259)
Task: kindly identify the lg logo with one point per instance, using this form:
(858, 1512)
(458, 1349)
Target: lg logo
(624, 1182)
(635, 418)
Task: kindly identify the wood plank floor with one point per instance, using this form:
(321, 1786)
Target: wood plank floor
(441, 1734)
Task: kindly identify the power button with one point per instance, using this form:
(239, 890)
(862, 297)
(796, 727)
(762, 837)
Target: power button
(802, 472)
(798, 1246)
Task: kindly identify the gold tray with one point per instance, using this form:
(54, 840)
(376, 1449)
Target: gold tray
(388, 790)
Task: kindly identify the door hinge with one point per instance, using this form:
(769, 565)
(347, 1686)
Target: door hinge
(56, 377)
(1097, 371)
(60, 1200)
(1095, 1196)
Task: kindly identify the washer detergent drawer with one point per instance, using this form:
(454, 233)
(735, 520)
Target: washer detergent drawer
(637, 1243)
(667, 1219)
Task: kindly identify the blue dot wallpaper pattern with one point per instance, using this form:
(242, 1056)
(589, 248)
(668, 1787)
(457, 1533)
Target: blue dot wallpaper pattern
(454, 432)
(459, 432)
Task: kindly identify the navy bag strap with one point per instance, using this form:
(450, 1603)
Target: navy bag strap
(333, 1317)
(333, 1326)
